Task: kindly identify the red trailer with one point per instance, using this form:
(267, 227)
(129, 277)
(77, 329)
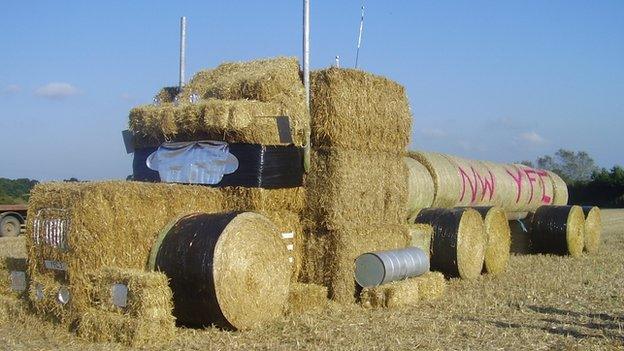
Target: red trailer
(12, 220)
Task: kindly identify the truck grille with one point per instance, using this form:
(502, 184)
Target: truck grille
(51, 227)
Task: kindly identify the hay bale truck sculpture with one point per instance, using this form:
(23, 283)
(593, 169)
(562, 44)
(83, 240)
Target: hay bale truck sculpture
(84, 271)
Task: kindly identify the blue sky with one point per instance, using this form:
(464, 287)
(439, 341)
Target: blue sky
(497, 80)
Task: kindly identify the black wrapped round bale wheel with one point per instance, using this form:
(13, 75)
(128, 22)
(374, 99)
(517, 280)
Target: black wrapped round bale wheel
(458, 243)
(230, 269)
(593, 228)
(498, 236)
(558, 230)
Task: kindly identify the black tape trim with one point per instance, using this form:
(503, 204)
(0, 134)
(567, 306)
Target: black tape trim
(260, 166)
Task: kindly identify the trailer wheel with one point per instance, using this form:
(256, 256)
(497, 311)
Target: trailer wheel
(9, 226)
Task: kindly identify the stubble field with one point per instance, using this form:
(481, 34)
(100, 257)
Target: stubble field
(542, 302)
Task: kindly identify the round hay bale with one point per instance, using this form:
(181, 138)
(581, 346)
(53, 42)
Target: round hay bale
(458, 243)
(420, 186)
(444, 174)
(558, 230)
(560, 189)
(593, 228)
(498, 236)
(227, 269)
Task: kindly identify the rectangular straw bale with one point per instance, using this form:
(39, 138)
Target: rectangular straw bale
(235, 121)
(306, 297)
(258, 199)
(408, 292)
(261, 80)
(335, 267)
(275, 80)
(345, 185)
(10, 268)
(111, 224)
(149, 295)
(353, 109)
(103, 326)
(420, 235)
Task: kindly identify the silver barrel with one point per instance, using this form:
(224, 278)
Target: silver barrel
(376, 268)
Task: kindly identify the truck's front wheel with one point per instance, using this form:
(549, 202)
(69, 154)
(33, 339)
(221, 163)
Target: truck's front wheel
(9, 226)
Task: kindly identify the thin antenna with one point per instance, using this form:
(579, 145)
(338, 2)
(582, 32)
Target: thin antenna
(357, 55)
(306, 49)
(182, 51)
(306, 78)
(337, 61)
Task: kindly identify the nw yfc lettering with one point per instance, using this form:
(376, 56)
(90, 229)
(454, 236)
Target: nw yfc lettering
(483, 187)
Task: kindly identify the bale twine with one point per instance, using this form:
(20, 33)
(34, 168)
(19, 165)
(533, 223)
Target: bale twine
(558, 230)
(498, 236)
(444, 173)
(593, 228)
(230, 270)
(420, 186)
(560, 189)
(458, 244)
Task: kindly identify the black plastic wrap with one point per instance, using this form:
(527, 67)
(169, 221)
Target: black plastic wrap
(521, 235)
(445, 223)
(186, 257)
(549, 230)
(260, 166)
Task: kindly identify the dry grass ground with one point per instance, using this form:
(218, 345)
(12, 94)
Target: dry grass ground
(543, 302)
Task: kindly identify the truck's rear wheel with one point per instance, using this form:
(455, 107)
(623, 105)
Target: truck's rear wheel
(9, 226)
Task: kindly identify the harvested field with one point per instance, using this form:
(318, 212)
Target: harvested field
(579, 307)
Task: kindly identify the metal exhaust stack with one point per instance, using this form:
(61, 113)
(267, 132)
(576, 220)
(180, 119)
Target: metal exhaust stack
(306, 75)
(182, 51)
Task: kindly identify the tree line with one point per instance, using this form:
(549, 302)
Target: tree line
(587, 183)
(15, 191)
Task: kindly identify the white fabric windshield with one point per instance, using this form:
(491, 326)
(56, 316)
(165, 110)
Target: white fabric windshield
(197, 162)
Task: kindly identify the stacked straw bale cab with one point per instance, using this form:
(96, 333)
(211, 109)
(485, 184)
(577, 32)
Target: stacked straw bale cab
(357, 187)
(464, 182)
(129, 306)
